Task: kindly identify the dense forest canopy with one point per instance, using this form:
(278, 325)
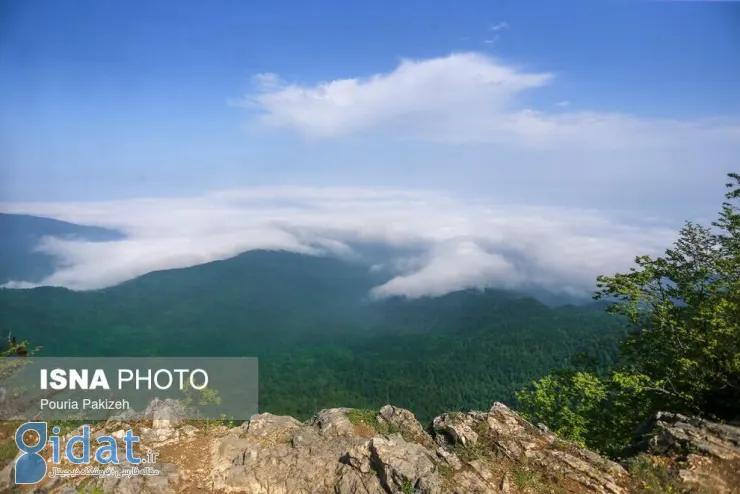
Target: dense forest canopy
(320, 340)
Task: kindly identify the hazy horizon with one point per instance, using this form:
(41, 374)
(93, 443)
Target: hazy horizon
(504, 144)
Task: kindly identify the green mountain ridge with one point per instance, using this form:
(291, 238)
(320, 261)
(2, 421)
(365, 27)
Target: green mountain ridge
(321, 340)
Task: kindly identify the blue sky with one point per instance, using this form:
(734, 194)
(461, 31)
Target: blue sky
(107, 98)
(623, 109)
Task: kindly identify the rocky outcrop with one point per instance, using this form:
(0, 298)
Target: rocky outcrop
(344, 450)
(531, 454)
(671, 433)
(703, 455)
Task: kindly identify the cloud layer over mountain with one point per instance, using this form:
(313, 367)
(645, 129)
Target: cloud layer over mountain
(466, 122)
(456, 244)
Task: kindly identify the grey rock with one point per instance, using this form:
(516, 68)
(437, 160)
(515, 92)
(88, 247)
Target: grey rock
(402, 420)
(455, 428)
(334, 423)
(450, 458)
(165, 414)
(468, 453)
(327, 455)
(269, 427)
(399, 463)
(672, 433)
(708, 453)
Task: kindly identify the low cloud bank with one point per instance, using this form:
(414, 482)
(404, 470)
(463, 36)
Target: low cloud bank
(459, 244)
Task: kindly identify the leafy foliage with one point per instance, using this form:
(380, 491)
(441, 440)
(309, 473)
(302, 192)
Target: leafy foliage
(599, 412)
(682, 353)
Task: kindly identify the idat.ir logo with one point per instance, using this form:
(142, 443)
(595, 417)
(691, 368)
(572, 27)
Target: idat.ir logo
(31, 467)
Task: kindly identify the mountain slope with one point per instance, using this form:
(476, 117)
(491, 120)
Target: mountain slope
(22, 234)
(320, 340)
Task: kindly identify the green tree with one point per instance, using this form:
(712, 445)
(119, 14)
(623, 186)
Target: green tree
(593, 410)
(682, 352)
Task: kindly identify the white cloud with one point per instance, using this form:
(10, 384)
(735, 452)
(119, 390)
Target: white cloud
(465, 98)
(451, 266)
(562, 157)
(414, 91)
(458, 244)
(499, 26)
(563, 104)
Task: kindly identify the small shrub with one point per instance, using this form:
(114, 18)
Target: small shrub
(363, 417)
(654, 477)
(445, 471)
(469, 452)
(408, 487)
(526, 478)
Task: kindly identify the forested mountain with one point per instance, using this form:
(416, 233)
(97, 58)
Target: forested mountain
(321, 340)
(21, 235)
